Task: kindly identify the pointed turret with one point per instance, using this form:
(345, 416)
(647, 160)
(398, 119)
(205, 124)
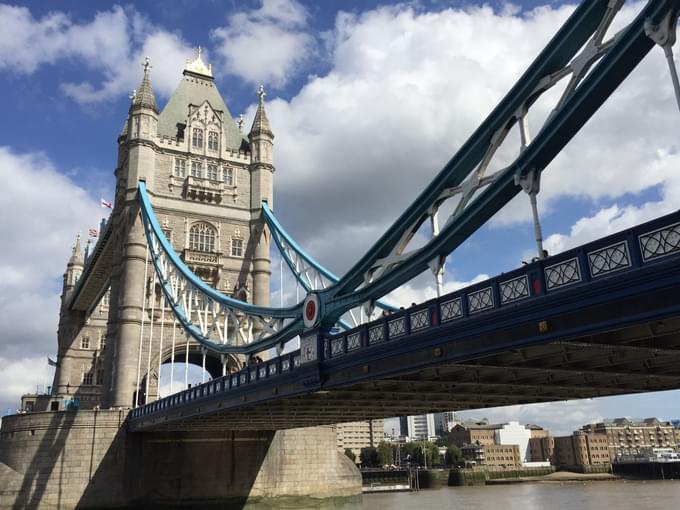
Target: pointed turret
(76, 254)
(74, 268)
(144, 96)
(261, 122)
(261, 190)
(140, 131)
(124, 130)
(261, 136)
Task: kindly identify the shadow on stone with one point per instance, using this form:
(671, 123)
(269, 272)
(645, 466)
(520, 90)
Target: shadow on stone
(88, 460)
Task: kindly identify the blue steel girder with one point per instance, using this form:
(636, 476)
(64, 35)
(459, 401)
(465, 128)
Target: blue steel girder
(300, 262)
(622, 288)
(618, 58)
(368, 280)
(203, 312)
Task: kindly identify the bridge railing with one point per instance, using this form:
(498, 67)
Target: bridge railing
(618, 253)
(623, 251)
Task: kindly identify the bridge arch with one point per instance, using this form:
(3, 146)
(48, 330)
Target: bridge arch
(188, 367)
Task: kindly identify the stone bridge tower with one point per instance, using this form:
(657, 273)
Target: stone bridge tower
(206, 179)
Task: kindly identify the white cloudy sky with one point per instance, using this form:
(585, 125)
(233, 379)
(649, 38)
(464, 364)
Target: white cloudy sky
(367, 102)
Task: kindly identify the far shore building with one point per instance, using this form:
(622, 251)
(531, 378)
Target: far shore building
(419, 427)
(634, 437)
(495, 444)
(581, 450)
(494, 456)
(541, 445)
(359, 434)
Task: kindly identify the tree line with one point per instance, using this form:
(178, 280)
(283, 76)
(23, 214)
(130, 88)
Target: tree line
(414, 453)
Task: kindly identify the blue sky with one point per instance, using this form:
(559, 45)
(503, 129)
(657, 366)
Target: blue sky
(367, 100)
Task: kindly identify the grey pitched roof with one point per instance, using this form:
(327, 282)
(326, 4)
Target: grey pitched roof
(194, 89)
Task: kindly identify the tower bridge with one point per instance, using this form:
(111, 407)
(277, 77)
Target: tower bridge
(601, 319)
(181, 272)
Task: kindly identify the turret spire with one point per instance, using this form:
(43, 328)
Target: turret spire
(261, 122)
(144, 96)
(76, 253)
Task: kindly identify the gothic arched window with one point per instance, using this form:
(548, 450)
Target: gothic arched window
(197, 137)
(213, 140)
(202, 237)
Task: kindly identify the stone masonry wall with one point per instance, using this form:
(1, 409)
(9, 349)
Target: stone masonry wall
(49, 459)
(86, 459)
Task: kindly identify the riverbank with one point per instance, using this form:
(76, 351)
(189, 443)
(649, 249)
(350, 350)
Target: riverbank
(557, 477)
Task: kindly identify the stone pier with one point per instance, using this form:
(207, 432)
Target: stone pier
(88, 460)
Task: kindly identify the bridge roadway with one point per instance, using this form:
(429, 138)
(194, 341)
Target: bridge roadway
(600, 319)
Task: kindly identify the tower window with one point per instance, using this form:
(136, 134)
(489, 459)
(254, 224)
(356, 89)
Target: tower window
(85, 342)
(228, 176)
(196, 169)
(237, 247)
(197, 138)
(212, 172)
(102, 341)
(180, 168)
(87, 378)
(213, 138)
(202, 237)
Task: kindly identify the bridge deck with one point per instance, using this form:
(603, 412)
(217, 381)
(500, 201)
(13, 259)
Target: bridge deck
(602, 319)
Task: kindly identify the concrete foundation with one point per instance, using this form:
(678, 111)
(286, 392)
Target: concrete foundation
(88, 460)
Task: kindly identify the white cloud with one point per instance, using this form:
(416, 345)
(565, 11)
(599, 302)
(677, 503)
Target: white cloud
(25, 375)
(112, 44)
(266, 45)
(405, 90)
(561, 418)
(606, 221)
(43, 210)
(408, 294)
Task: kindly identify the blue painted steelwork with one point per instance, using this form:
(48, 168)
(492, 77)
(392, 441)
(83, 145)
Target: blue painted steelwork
(157, 240)
(280, 235)
(621, 56)
(625, 53)
(619, 258)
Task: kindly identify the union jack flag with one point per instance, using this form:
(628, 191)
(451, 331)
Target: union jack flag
(93, 232)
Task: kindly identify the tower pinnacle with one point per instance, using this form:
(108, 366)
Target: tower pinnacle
(144, 96)
(261, 122)
(197, 66)
(147, 66)
(76, 253)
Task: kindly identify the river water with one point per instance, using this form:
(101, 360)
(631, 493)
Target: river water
(617, 495)
(599, 495)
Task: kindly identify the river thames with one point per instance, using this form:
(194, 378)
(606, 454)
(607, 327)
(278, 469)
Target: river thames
(599, 495)
(619, 495)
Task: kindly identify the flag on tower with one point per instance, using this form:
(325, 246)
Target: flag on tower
(106, 203)
(93, 232)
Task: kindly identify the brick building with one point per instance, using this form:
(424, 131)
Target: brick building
(359, 434)
(581, 449)
(629, 437)
(493, 455)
